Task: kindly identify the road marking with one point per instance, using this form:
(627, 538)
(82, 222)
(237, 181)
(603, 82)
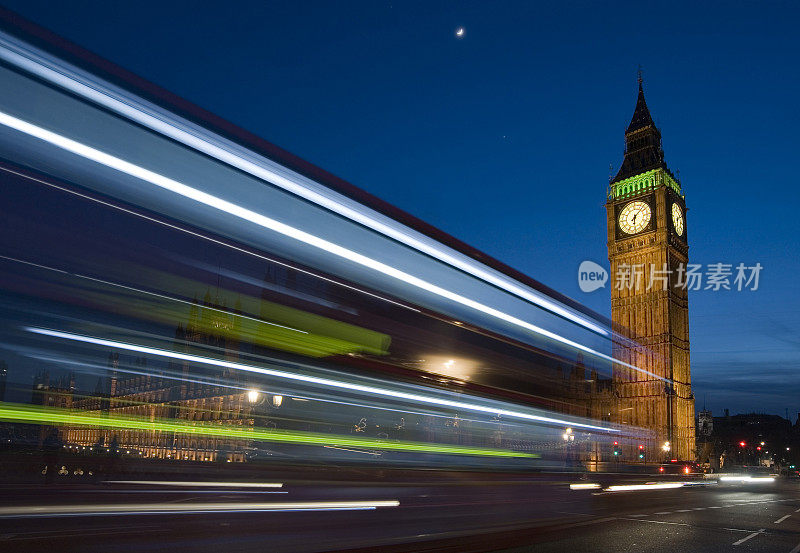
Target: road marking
(781, 519)
(683, 510)
(744, 539)
(699, 509)
(638, 515)
(715, 507)
(661, 522)
(797, 511)
(796, 549)
(663, 513)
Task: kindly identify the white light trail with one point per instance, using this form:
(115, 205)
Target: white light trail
(179, 483)
(314, 379)
(25, 511)
(263, 221)
(162, 296)
(234, 155)
(198, 235)
(591, 486)
(746, 479)
(643, 487)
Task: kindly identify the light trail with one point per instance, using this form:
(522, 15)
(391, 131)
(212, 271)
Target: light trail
(203, 484)
(199, 139)
(584, 486)
(154, 294)
(187, 508)
(644, 487)
(182, 378)
(263, 221)
(201, 236)
(314, 379)
(746, 479)
(353, 450)
(61, 416)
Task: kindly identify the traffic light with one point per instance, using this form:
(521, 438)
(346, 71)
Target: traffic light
(617, 450)
(742, 443)
(758, 448)
(641, 452)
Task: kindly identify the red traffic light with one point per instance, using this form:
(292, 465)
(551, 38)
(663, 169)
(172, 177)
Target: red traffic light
(742, 444)
(758, 448)
(616, 443)
(641, 446)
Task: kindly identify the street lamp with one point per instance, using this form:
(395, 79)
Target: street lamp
(277, 400)
(666, 447)
(253, 395)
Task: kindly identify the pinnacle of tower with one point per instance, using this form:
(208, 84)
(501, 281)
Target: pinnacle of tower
(641, 115)
(643, 150)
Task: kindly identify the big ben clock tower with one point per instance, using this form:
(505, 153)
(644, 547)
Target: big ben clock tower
(648, 250)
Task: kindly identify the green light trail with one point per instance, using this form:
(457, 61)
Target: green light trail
(34, 414)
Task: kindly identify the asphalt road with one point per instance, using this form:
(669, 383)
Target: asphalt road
(454, 512)
(715, 518)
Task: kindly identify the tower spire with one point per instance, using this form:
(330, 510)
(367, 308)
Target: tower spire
(641, 114)
(642, 141)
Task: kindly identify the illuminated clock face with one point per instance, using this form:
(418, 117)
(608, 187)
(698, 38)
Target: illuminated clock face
(677, 219)
(634, 217)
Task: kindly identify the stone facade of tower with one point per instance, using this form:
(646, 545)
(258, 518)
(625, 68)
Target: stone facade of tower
(648, 251)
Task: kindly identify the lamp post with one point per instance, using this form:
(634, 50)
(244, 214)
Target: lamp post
(257, 399)
(568, 438)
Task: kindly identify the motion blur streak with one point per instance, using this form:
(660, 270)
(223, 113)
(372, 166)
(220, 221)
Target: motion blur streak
(644, 487)
(199, 484)
(52, 415)
(195, 234)
(746, 479)
(315, 380)
(184, 508)
(584, 486)
(154, 294)
(266, 222)
(234, 155)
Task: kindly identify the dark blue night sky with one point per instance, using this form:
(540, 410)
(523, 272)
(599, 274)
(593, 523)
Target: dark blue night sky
(504, 138)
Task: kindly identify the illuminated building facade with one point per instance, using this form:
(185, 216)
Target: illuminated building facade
(589, 395)
(648, 252)
(185, 394)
